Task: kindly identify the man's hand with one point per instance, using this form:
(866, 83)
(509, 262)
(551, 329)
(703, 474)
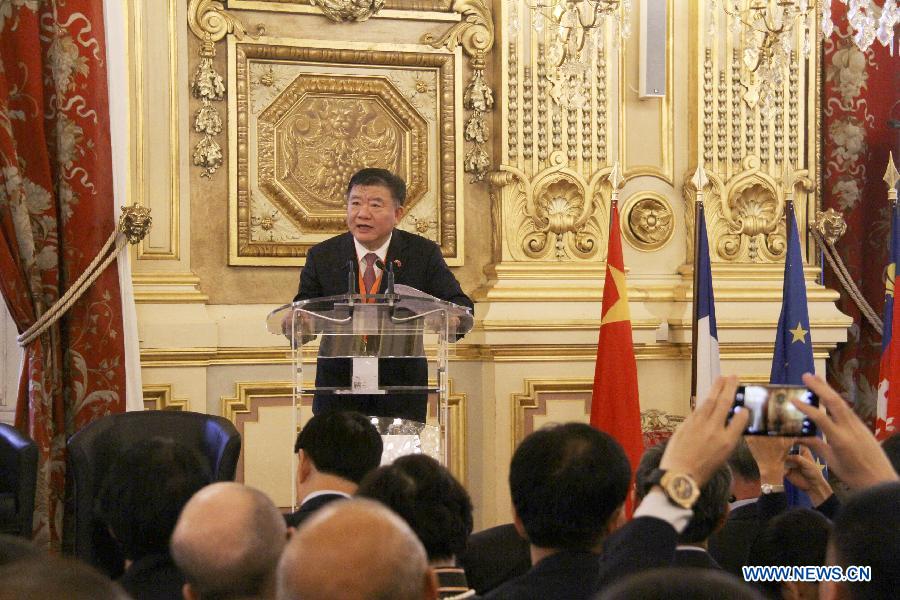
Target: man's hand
(851, 451)
(770, 453)
(704, 442)
(805, 474)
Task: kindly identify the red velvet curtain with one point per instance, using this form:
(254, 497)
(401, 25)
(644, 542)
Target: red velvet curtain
(56, 211)
(860, 90)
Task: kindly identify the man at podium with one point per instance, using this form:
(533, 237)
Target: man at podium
(375, 199)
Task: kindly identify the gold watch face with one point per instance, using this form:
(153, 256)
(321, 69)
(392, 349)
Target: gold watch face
(680, 488)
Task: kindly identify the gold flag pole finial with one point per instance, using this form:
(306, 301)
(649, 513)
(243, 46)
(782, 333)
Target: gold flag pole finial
(615, 179)
(890, 177)
(699, 180)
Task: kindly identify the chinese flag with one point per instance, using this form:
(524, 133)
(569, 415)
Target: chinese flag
(615, 407)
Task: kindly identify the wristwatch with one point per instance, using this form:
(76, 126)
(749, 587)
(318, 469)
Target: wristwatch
(768, 488)
(680, 488)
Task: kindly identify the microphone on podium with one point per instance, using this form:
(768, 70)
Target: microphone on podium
(389, 269)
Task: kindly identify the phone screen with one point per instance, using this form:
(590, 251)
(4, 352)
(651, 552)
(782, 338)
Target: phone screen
(771, 410)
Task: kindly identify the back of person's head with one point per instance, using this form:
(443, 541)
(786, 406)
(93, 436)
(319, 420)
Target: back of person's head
(891, 447)
(342, 443)
(429, 499)
(866, 533)
(143, 493)
(55, 577)
(671, 583)
(227, 542)
(355, 550)
(13, 549)
(711, 507)
(567, 483)
(796, 537)
(382, 177)
(742, 464)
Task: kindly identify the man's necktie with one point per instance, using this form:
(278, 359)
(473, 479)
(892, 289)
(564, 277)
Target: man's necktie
(369, 274)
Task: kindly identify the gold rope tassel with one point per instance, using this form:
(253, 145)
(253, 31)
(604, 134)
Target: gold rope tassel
(134, 224)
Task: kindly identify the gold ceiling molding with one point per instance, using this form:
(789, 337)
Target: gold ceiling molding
(317, 111)
(475, 33)
(429, 10)
(342, 11)
(249, 395)
(161, 397)
(210, 22)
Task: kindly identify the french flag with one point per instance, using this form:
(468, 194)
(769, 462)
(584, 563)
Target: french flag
(706, 336)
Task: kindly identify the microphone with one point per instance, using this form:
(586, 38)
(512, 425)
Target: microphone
(351, 277)
(389, 269)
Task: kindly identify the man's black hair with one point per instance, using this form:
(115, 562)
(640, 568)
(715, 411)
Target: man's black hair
(50, 576)
(434, 504)
(677, 583)
(711, 507)
(566, 483)
(372, 176)
(794, 538)
(146, 488)
(742, 463)
(891, 447)
(866, 532)
(342, 443)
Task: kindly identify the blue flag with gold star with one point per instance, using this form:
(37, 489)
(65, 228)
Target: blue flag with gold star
(793, 345)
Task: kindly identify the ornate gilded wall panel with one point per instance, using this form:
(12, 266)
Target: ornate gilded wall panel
(306, 117)
(755, 139)
(345, 7)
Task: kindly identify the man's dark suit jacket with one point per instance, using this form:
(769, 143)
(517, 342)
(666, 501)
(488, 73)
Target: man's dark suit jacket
(153, 577)
(417, 262)
(698, 558)
(644, 543)
(494, 556)
(306, 510)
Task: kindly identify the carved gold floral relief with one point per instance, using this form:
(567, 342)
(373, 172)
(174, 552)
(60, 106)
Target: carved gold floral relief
(649, 222)
(306, 118)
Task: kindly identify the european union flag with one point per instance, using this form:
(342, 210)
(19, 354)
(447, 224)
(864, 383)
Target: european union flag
(793, 345)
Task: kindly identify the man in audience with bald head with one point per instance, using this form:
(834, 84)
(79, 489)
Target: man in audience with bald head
(227, 543)
(355, 550)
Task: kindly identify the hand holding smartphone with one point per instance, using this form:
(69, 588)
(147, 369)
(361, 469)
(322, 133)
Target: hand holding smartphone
(771, 410)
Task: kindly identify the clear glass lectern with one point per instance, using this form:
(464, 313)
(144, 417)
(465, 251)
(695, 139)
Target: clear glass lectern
(362, 331)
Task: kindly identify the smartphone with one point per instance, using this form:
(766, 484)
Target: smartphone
(771, 410)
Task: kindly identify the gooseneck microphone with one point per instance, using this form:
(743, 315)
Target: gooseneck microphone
(389, 269)
(351, 277)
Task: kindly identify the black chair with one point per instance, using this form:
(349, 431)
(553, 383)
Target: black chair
(93, 450)
(18, 478)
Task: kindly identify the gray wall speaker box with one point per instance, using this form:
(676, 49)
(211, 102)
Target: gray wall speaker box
(652, 46)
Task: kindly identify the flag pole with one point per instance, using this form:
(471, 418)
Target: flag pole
(699, 180)
(891, 176)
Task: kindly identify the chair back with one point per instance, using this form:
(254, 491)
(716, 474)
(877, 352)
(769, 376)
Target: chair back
(92, 451)
(18, 479)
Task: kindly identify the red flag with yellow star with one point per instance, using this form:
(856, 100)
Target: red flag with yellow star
(615, 407)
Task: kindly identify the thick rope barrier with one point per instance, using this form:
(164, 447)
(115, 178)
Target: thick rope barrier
(133, 226)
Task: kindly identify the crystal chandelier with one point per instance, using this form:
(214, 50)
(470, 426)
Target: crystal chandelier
(866, 24)
(572, 29)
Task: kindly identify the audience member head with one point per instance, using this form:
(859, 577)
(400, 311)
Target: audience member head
(336, 450)
(568, 484)
(711, 507)
(866, 533)
(429, 499)
(672, 583)
(891, 447)
(745, 472)
(797, 537)
(382, 177)
(56, 577)
(143, 493)
(227, 543)
(355, 550)
(14, 549)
